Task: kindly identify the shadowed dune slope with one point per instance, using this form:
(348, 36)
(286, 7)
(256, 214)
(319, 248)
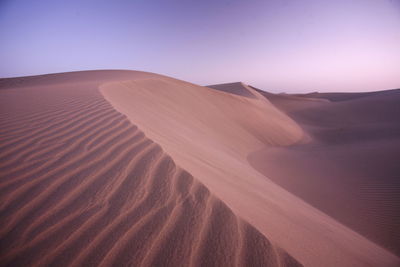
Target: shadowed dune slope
(350, 169)
(237, 88)
(81, 185)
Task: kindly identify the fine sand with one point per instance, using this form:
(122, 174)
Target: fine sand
(350, 169)
(81, 185)
(138, 169)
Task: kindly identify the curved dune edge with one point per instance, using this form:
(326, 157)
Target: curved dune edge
(81, 185)
(193, 125)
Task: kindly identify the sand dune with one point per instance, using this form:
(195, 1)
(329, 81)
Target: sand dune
(133, 168)
(81, 185)
(211, 133)
(350, 168)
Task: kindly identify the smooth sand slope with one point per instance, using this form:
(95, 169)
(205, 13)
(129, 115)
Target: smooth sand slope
(81, 185)
(350, 169)
(168, 184)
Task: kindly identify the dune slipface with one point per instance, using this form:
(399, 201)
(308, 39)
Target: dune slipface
(82, 185)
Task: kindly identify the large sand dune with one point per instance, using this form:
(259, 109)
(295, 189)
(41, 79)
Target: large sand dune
(82, 185)
(133, 168)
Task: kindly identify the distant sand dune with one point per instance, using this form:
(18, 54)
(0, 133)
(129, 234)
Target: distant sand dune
(81, 185)
(351, 168)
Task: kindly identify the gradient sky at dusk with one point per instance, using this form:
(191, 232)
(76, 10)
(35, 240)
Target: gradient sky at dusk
(276, 45)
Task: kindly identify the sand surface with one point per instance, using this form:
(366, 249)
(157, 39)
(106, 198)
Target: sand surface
(133, 168)
(81, 185)
(350, 168)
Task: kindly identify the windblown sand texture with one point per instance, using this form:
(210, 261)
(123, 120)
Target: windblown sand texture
(129, 168)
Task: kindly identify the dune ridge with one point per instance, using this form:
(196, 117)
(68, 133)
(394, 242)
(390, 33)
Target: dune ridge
(81, 185)
(211, 133)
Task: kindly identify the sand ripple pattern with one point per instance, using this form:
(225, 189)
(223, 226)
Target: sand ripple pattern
(80, 185)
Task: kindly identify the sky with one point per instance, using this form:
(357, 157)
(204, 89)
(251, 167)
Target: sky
(274, 45)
